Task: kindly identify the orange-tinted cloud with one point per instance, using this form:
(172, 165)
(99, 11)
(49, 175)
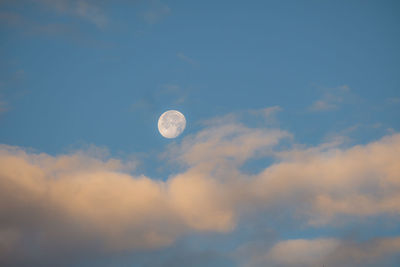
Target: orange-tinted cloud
(361, 180)
(80, 201)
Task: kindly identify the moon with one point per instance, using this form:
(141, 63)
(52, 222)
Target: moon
(171, 124)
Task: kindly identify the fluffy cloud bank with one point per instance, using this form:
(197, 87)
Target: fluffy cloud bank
(51, 205)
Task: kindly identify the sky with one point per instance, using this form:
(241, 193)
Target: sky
(291, 151)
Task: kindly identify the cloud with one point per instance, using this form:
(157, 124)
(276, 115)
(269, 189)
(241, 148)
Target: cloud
(269, 113)
(53, 206)
(10, 18)
(186, 59)
(177, 94)
(350, 253)
(361, 180)
(228, 143)
(8, 241)
(262, 116)
(327, 252)
(84, 9)
(170, 93)
(331, 99)
(301, 252)
(32, 27)
(3, 106)
(156, 12)
(323, 105)
(393, 100)
(80, 203)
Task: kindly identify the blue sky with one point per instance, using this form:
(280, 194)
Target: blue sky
(91, 78)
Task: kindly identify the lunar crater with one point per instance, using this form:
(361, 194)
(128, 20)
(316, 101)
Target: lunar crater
(171, 124)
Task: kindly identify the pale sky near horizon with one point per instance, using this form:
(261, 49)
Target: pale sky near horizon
(291, 145)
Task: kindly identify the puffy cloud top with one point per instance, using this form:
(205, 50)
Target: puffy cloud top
(53, 205)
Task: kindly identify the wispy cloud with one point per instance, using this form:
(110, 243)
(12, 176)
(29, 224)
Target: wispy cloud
(10, 18)
(11, 86)
(174, 91)
(301, 252)
(170, 93)
(186, 59)
(3, 106)
(84, 9)
(156, 12)
(269, 113)
(267, 116)
(31, 27)
(393, 100)
(326, 252)
(331, 99)
(3, 103)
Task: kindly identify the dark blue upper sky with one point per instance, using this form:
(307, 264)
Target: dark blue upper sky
(68, 79)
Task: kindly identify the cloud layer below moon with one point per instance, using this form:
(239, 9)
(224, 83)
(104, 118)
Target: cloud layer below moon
(58, 206)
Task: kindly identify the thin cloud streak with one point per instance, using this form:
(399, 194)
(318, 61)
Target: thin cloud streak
(3, 106)
(86, 10)
(325, 252)
(156, 12)
(331, 99)
(186, 59)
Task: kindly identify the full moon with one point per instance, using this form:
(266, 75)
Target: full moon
(171, 124)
